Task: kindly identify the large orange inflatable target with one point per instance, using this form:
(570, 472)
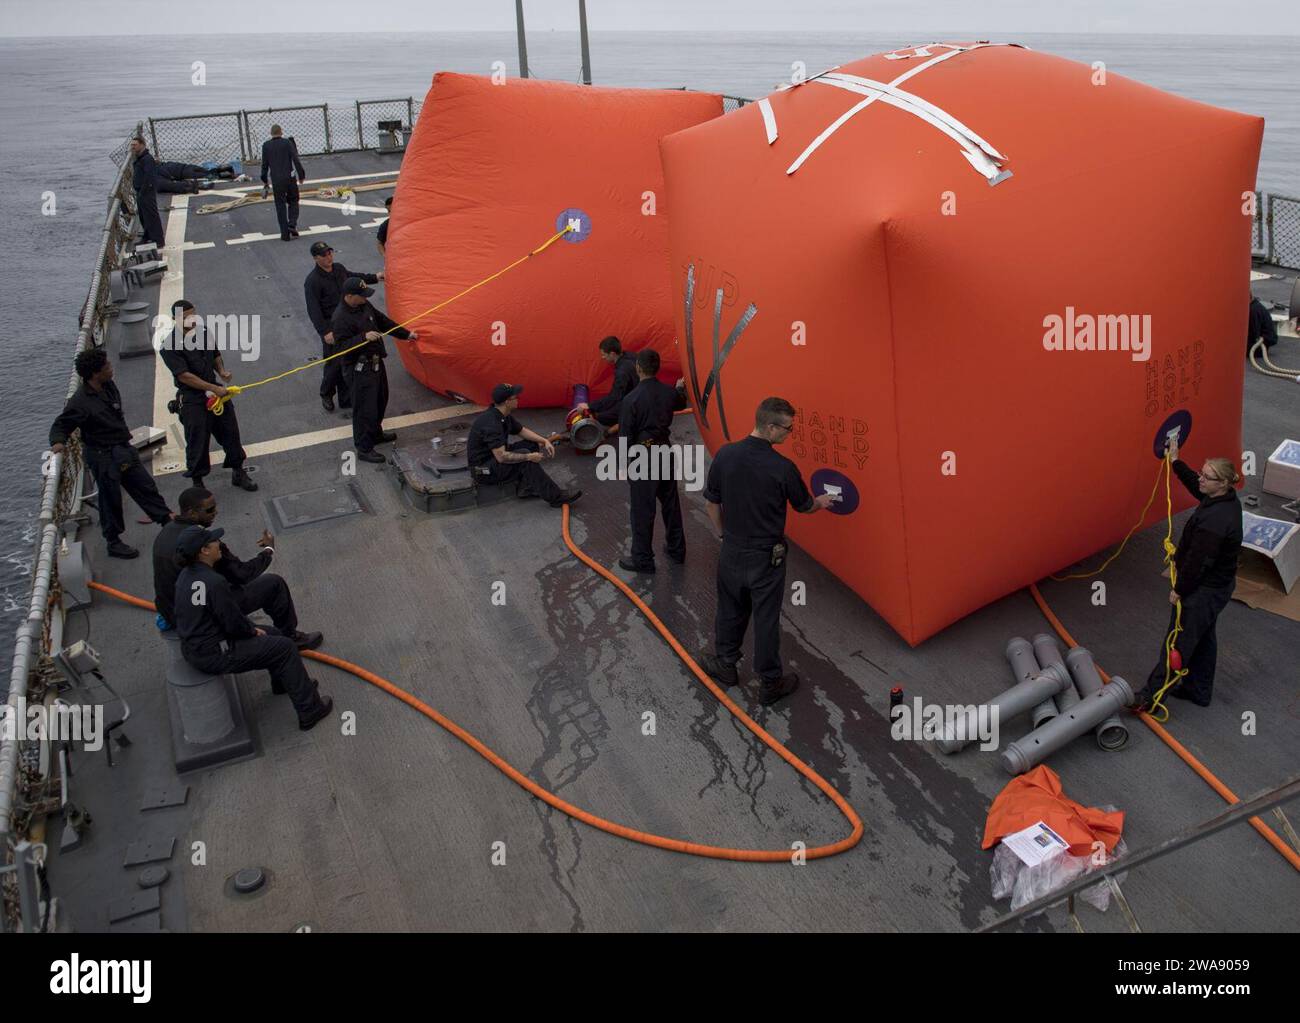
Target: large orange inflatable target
(491, 172)
(992, 281)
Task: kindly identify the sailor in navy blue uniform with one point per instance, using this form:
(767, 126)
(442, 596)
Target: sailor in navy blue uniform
(357, 322)
(323, 289)
(605, 410)
(218, 638)
(645, 417)
(144, 181)
(282, 173)
(1205, 564)
(749, 487)
(95, 409)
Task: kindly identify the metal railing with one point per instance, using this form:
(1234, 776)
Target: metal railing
(317, 128)
(40, 635)
(1277, 229)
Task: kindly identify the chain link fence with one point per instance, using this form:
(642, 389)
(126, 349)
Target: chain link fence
(197, 138)
(1278, 231)
(316, 128)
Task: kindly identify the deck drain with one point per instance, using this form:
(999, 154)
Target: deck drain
(152, 877)
(249, 880)
(336, 501)
(262, 277)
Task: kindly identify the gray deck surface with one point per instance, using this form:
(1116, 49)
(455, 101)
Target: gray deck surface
(393, 827)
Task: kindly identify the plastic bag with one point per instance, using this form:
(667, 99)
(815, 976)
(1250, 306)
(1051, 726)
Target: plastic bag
(1011, 876)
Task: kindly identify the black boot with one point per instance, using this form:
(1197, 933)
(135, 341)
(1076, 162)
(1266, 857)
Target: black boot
(324, 706)
(240, 479)
(723, 674)
(778, 688)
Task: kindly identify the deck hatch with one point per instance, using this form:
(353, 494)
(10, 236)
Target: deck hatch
(306, 507)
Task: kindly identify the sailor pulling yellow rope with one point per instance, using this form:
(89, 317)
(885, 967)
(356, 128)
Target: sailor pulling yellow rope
(1174, 669)
(216, 403)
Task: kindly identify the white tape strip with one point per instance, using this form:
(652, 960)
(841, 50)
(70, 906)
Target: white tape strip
(769, 119)
(863, 85)
(970, 142)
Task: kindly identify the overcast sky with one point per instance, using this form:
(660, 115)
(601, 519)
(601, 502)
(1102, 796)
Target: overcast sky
(121, 17)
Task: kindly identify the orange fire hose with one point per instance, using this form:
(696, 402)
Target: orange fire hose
(1271, 836)
(577, 813)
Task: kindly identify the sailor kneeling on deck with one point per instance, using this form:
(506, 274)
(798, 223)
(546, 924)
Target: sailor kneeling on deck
(356, 320)
(217, 638)
(494, 460)
(254, 587)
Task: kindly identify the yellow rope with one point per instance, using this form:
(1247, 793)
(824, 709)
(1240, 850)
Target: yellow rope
(217, 403)
(1172, 676)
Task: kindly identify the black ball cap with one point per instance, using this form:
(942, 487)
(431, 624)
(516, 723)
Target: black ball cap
(320, 248)
(356, 286)
(194, 538)
(504, 392)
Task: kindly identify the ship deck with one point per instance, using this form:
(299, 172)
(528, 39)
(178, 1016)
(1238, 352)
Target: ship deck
(394, 827)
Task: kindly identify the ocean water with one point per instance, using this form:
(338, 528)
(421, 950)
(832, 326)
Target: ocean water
(67, 103)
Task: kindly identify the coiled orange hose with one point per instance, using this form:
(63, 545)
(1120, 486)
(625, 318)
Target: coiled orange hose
(577, 813)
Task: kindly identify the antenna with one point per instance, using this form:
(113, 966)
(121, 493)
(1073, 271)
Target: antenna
(586, 51)
(523, 45)
(582, 31)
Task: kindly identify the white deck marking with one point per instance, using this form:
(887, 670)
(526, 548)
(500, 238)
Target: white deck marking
(304, 232)
(311, 183)
(333, 204)
(307, 440)
(172, 451)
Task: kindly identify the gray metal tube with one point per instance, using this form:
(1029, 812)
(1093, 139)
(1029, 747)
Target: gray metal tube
(1048, 653)
(1023, 754)
(1020, 655)
(1112, 733)
(1006, 705)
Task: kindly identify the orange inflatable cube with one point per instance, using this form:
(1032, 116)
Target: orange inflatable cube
(494, 170)
(992, 281)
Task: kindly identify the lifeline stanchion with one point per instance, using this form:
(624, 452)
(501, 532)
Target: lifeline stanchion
(217, 403)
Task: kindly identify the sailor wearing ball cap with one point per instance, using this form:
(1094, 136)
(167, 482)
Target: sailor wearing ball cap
(356, 320)
(208, 615)
(494, 460)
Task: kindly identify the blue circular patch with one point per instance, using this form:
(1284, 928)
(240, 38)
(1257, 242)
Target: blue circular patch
(826, 481)
(1180, 421)
(573, 215)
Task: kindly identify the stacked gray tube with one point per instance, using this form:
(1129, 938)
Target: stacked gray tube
(1020, 655)
(1088, 713)
(1003, 707)
(1048, 653)
(1112, 733)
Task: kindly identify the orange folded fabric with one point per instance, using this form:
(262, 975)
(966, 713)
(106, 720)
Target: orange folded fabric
(1038, 796)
